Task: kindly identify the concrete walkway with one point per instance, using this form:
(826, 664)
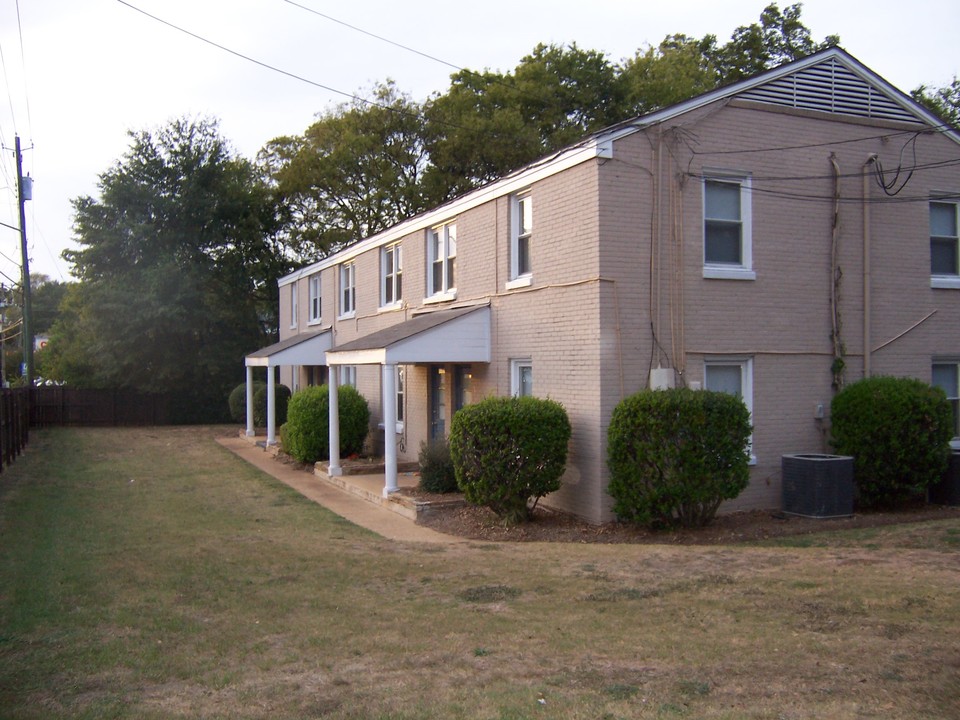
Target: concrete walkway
(355, 509)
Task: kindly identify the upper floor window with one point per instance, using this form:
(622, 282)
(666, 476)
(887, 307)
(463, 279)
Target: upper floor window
(315, 307)
(946, 375)
(347, 289)
(391, 275)
(727, 248)
(733, 376)
(442, 260)
(521, 229)
(944, 244)
(293, 305)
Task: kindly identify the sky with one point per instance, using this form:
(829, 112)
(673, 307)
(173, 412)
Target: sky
(78, 75)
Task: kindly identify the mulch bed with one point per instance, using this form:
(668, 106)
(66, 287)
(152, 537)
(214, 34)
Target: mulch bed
(478, 523)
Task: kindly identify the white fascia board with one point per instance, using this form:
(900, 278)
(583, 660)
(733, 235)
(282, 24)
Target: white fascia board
(376, 356)
(589, 150)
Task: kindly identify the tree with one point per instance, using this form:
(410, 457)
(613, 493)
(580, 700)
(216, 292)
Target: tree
(177, 271)
(488, 124)
(45, 296)
(780, 37)
(678, 69)
(354, 172)
(944, 101)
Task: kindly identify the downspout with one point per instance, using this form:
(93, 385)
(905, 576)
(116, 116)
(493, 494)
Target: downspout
(872, 158)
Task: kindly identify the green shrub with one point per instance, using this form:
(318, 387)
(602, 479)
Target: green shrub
(282, 400)
(508, 450)
(306, 435)
(237, 401)
(898, 431)
(436, 468)
(675, 455)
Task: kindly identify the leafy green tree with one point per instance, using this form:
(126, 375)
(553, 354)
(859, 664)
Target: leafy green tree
(944, 101)
(488, 123)
(779, 37)
(354, 172)
(678, 69)
(177, 269)
(45, 298)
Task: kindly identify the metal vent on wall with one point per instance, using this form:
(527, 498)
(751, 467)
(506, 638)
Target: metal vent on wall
(830, 87)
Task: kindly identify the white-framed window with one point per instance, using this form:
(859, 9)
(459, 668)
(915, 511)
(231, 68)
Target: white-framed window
(348, 375)
(732, 375)
(442, 261)
(521, 231)
(293, 305)
(727, 227)
(946, 375)
(391, 275)
(347, 289)
(313, 285)
(944, 245)
(521, 377)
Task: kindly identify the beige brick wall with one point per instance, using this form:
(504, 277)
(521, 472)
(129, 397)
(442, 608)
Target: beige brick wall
(618, 283)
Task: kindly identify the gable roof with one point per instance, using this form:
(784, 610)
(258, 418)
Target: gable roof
(830, 81)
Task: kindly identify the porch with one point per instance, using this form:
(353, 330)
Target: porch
(365, 479)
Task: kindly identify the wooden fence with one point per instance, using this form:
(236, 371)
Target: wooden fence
(58, 406)
(14, 423)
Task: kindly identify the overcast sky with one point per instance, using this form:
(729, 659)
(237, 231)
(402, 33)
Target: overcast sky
(78, 74)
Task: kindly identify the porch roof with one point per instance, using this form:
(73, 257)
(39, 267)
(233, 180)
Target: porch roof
(302, 349)
(443, 336)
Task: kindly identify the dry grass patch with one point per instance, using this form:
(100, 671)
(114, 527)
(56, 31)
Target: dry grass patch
(151, 574)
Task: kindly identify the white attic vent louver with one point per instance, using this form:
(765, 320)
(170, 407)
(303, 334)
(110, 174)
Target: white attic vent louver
(831, 87)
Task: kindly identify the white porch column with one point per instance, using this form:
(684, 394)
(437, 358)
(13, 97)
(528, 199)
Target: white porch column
(250, 431)
(389, 428)
(271, 406)
(334, 465)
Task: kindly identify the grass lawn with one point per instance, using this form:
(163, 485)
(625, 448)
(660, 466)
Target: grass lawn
(149, 573)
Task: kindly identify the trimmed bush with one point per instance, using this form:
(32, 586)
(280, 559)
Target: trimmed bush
(306, 435)
(506, 451)
(436, 468)
(898, 431)
(282, 399)
(237, 401)
(675, 455)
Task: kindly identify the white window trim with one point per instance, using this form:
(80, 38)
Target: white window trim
(350, 269)
(746, 384)
(435, 295)
(949, 281)
(347, 375)
(293, 305)
(955, 362)
(516, 278)
(397, 251)
(723, 271)
(314, 293)
(515, 365)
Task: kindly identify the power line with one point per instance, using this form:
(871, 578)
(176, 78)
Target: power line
(267, 66)
(375, 36)
(23, 65)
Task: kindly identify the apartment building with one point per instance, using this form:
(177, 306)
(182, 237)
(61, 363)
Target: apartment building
(775, 238)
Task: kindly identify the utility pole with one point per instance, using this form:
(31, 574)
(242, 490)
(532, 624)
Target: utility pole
(27, 307)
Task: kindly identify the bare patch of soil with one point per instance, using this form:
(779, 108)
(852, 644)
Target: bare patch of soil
(479, 523)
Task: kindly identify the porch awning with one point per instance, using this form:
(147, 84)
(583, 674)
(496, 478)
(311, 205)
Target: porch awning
(302, 349)
(459, 335)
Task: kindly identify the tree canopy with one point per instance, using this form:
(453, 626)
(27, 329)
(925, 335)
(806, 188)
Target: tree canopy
(177, 268)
